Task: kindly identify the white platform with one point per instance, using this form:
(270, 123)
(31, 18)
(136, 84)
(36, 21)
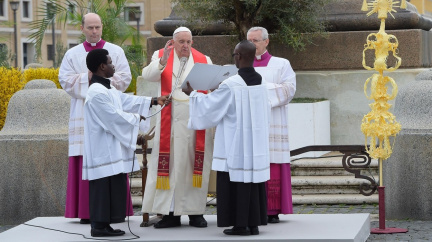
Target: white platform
(295, 227)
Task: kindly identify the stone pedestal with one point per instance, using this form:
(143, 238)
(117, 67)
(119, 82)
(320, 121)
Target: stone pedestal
(407, 173)
(346, 15)
(336, 51)
(34, 153)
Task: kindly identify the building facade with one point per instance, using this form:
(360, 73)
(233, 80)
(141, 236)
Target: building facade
(68, 35)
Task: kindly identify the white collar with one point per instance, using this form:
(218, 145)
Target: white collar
(94, 44)
(258, 57)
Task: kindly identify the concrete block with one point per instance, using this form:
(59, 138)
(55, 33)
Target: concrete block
(309, 124)
(34, 153)
(407, 171)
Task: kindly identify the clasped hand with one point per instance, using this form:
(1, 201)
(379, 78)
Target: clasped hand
(164, 100)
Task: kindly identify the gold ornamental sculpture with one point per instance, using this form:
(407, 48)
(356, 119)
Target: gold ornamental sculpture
(379, 125)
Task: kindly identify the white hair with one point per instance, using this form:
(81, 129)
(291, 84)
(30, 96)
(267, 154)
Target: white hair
(264, 32)
(181, 29)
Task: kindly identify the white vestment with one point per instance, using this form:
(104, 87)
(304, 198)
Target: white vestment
(182, 198)
(280, 94)
(111, 124)
(241, 141)
(73, 77)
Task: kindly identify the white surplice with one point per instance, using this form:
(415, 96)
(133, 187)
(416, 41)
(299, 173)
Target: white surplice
(240, 113)
(73, 77)
(111, 124)
(280, 91)
(182, 198)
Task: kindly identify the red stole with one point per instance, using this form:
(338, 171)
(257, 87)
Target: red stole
(165, 134)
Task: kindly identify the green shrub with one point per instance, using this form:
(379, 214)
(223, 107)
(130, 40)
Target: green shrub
(13, 80)
(10, 82)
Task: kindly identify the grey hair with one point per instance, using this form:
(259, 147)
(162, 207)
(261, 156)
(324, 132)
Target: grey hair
(264, 31)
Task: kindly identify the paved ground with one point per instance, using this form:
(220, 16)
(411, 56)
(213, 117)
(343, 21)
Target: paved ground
(417, 230)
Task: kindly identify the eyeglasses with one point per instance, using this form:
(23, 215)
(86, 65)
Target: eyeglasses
(256, 40)
(235, 54)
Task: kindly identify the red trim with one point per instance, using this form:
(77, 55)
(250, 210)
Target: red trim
(165, 137)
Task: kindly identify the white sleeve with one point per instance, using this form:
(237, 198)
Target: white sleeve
(207, 110)
(281, 94)
(122, 125)
(72, 80)
(153, 71)
(137, 104)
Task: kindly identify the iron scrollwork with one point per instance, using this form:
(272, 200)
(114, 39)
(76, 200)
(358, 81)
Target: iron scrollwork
(353, 163)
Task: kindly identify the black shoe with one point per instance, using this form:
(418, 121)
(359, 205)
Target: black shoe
(168, 221)
(105, 233)
(115, 230)
(273, 219)
(254, 230)
(237, 231)
(84, 221)
(197, 221)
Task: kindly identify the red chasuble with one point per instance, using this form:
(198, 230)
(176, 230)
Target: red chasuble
(165, 134)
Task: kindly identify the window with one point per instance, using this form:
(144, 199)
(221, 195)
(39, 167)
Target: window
(2, 8)
(71, 11)
(50, 52)
(130, 13)
(26, 10)
(28, 53)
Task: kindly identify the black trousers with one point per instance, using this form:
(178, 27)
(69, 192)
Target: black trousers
(107, 200)
(240, 204)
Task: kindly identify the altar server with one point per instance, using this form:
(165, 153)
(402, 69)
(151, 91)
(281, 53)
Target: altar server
(239, 108)
(111, 124)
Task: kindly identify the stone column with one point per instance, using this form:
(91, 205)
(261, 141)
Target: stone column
(34, 153)
(407, 173)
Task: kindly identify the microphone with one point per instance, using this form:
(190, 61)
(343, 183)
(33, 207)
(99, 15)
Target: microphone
(183, 61)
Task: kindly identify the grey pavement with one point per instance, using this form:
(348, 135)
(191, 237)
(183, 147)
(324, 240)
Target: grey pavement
(417, 230)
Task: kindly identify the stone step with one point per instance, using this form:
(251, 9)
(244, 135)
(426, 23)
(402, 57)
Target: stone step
(328, 166)
(326, 181)
(314, 181)
(335, 199)
(324, 162)
(308, 185)
(319, 171)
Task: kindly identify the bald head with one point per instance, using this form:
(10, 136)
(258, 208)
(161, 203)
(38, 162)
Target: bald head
(90, 16)
(244, 54)
(92, 27)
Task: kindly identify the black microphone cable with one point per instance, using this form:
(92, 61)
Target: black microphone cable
(93, 238)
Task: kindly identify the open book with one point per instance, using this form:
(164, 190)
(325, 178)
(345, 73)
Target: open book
(206, 77)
